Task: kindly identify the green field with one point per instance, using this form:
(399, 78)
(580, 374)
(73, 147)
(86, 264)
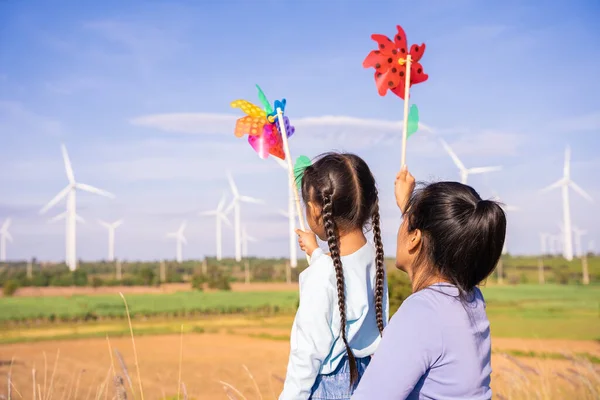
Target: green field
(77, 308)
(525, 311)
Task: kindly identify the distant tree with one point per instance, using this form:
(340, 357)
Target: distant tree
(10, 287)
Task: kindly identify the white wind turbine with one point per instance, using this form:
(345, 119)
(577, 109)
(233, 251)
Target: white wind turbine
(220, 216)
(564, 183)
(111, 236)
(63, 215)
(245, 239)
(464, 171)
(578, 246)
(290, 214)
(4, 236)
(69, 192)
(235, 205)
(180, 239)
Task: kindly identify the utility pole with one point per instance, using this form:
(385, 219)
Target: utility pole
(500, 270)
(30, 269)
(288, 273)
(119, 271)
(163, 272)
(541, 278)
(247, 267)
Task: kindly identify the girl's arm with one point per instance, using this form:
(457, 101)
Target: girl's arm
(312, 338)
(411, 343)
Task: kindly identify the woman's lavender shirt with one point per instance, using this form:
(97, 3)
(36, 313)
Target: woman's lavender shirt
(435, 347)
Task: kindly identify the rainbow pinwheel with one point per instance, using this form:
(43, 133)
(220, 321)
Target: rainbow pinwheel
(261, 125)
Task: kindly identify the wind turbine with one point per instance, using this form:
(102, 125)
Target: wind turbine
(111, 237)
(63, 215)
(464, 171)
(220, 216)
(235, 205)
(564, 183)
(69, 192)
(245, 239)
(578, 247)
(290, 214)
(181, 240)
(4, 236)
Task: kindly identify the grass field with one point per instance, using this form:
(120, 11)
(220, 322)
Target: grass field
(533, 327)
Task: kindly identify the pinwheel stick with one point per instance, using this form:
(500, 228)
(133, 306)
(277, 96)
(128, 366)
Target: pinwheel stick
(408, 61)
(288, 157)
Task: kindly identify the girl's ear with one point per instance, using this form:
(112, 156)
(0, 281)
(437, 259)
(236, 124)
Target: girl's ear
(314, 210)
(414, 240)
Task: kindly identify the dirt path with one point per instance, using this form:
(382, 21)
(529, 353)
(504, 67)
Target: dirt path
(208, 359)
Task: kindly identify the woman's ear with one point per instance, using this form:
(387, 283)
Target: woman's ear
(414, 240)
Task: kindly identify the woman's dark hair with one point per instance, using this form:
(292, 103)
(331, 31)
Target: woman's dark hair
(343, 186)
(462, 234)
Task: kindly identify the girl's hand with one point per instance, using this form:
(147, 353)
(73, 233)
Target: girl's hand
(404, 186)
(307, 241)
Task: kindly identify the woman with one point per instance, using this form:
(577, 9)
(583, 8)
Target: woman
(437, 346)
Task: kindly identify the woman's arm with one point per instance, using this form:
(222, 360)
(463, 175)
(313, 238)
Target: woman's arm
(410, 344)
(312, 338)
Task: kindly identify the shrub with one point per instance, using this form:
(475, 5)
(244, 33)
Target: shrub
(198, 281)
(147, 276)
(399, 288)
(97, 282)
(10, 287)
(80, 278)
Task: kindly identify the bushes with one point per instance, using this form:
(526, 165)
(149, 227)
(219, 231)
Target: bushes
(399, 289)
(10, 287)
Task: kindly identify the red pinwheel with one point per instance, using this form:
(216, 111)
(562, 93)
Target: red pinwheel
(390, 62)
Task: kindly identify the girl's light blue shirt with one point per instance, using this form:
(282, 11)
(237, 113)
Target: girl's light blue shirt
(316, 343)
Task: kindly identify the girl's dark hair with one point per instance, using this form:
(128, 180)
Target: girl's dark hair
(343, 186)
(462, 234)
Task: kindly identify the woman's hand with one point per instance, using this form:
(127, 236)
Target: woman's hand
(404, 186)
(307, 241)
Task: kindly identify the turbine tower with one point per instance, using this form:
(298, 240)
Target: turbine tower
(180, 240)
(464, 171)
(220, 216)
(564, 183)
(63, 215)
(235, 205)
(111, 237)
(578, 246)
(290, 214)
(245, 239)
(69, 192)
(4, 236)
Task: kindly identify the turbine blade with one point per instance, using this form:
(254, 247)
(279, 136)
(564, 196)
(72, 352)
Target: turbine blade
(567, 166)
(230, 207)
(222, 202)
(68, 167)
(248, 199)
(511, 208)
(251, 239)
(6, 224)
(284, 213)
(224, 218)
(116, 224)
(79, 218)
(8, 236)
(453, 155)
(234, 188)
(57, 217)
(172, 234)
(104, 224)
(555, 185)
(95, 190)
(581, 192)
(483, 170)
(182, 227)
(63, 193)
(213, 212)
(183, 239)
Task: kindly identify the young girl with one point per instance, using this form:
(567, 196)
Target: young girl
(437, 346)
(343, 295)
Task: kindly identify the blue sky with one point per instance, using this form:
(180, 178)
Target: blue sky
(139, 92)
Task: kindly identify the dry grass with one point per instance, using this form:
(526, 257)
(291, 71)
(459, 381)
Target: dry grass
(235, 366)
